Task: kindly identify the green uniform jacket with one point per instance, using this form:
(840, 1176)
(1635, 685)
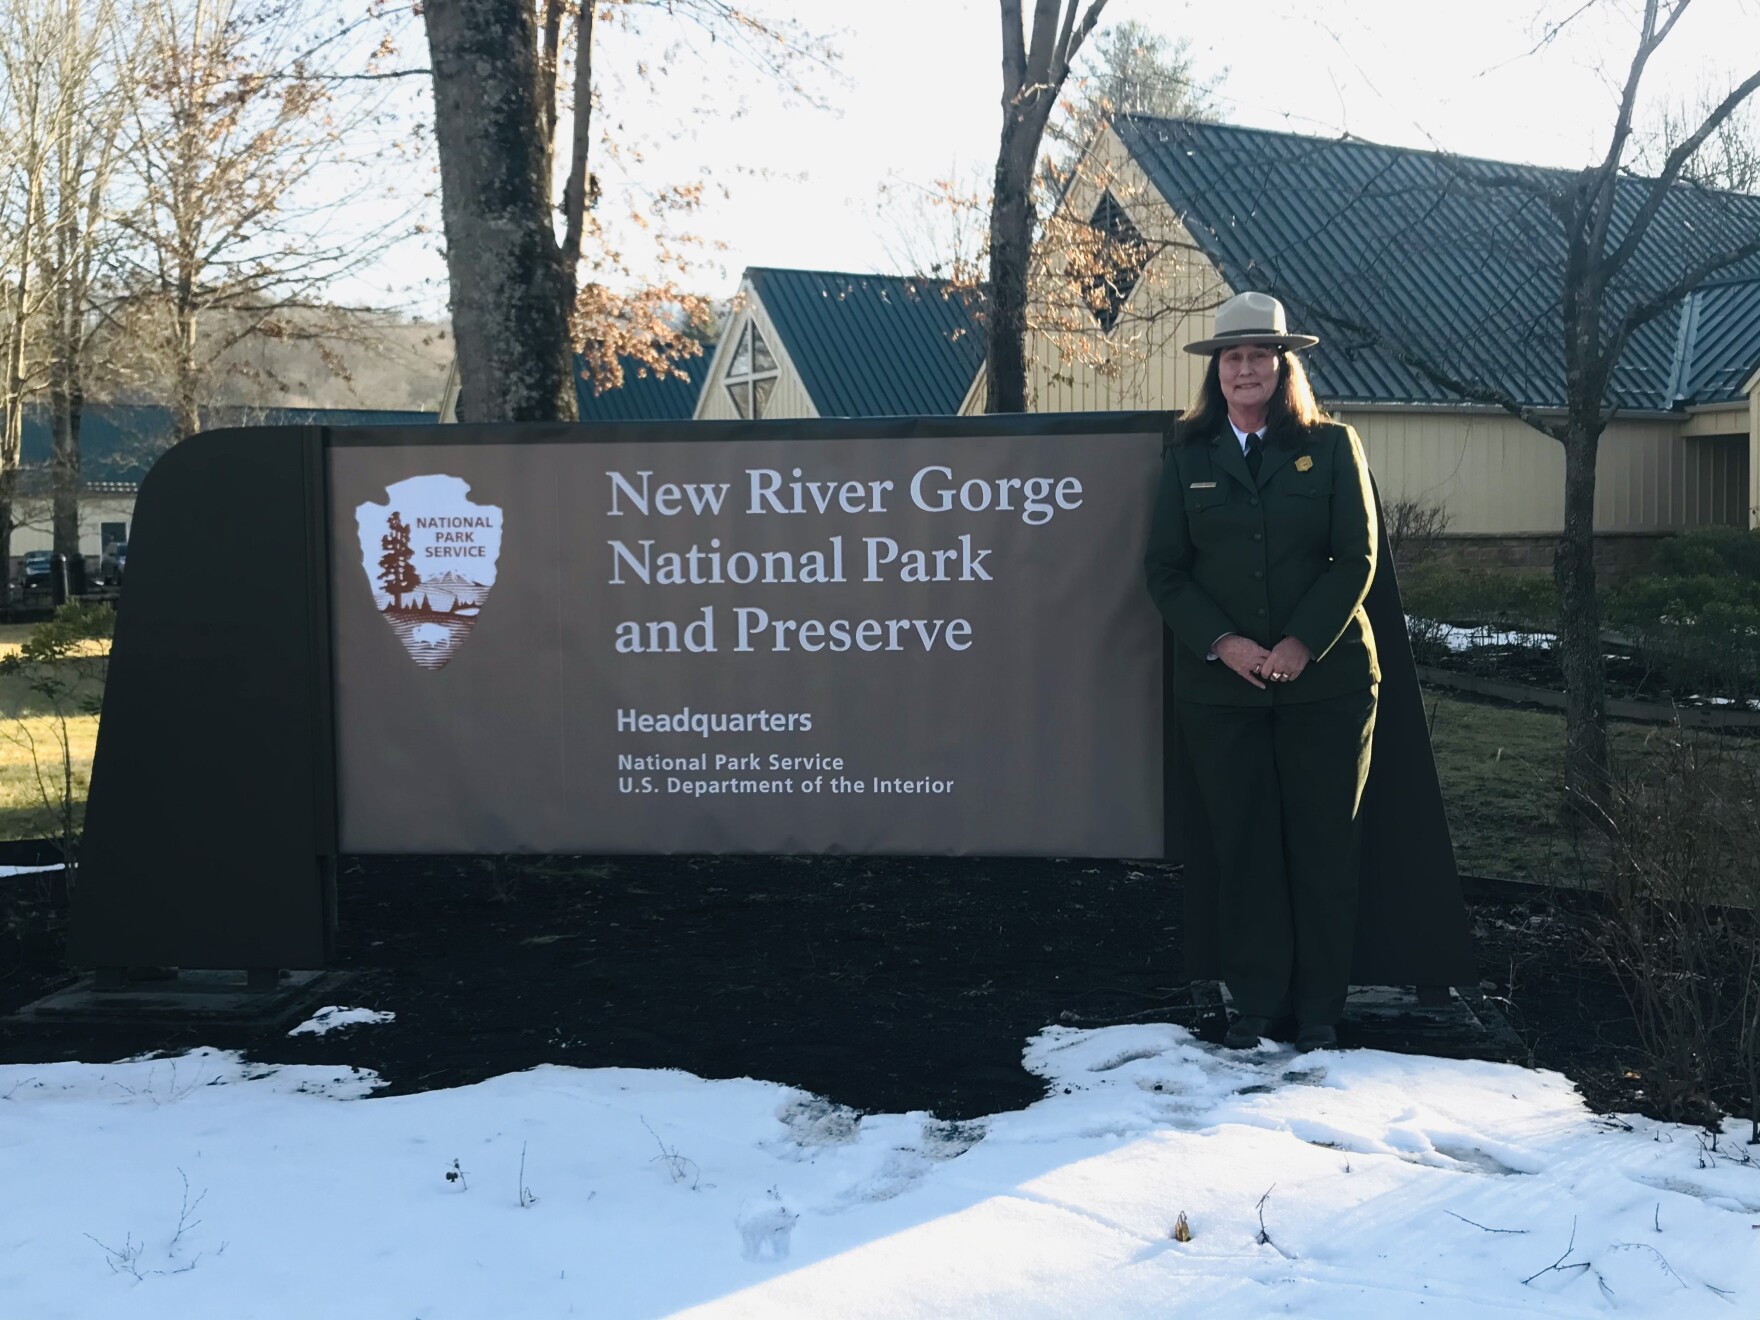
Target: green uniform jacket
(1288, 555)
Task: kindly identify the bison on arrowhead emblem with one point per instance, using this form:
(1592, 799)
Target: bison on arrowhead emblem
(429, 554)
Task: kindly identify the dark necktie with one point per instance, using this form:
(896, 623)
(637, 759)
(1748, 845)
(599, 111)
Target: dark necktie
(1255, 453)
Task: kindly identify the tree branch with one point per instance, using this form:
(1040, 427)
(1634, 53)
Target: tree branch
(574, 192)
(1470, 391)
(390, 75)
(1606, 175)
(1014, 52)
(1671, 170)
(1072, 44)
(1040, 53)
(1647, 309)
(300, 57)
(549, 56)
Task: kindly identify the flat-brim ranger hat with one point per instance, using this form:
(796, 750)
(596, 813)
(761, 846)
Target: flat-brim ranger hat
(1251, 318)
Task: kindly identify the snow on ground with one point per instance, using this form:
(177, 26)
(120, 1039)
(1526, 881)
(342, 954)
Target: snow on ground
(1456, 638)
(333, 1017)
(1329, 1185)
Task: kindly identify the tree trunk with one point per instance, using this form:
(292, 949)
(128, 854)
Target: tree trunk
(12, 434)
(510, 317)
(1011, 246)
(66, 402)
(186, 411)
(1579, 626)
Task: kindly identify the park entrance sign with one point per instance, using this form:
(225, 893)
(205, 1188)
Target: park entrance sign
(905, 635)
(879, 642)
(916, 636)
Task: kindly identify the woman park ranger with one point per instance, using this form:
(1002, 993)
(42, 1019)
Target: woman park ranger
(1260, 556)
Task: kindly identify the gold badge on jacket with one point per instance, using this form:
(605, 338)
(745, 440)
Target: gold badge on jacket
(1304, 463)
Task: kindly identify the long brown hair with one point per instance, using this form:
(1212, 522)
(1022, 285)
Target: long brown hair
(1290, 412)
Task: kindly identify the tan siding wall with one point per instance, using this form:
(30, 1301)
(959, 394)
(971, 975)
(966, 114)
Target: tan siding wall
(1753, 482)
(1496, 476)
(1074, 366)
(1491, 473)
(1651, 477)
(788, 399)
(34, 530)
(1731, 420)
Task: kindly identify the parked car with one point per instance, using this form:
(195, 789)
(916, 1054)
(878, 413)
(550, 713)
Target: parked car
(33, 578)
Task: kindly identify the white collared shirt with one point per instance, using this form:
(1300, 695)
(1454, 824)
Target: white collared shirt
(1244, 436)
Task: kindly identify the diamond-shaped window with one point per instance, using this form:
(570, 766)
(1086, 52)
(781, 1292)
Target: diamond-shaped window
(1116, 263)
(752, 373)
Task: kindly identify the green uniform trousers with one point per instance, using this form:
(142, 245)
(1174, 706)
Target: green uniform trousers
(1280, 786)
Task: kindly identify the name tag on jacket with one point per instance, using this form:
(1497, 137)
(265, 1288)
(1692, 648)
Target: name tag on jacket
(1203, 485)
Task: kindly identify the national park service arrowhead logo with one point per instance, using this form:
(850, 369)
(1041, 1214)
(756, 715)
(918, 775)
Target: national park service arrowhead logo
(429, 555)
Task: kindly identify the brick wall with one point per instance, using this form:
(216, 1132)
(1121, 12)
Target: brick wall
(1617, 554)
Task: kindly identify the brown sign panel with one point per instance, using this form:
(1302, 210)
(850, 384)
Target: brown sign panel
(872, 642)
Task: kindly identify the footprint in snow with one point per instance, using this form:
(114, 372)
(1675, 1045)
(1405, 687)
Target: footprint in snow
(813, 1121)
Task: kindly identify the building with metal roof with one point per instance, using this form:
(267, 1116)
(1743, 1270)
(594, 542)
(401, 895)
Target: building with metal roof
(646, 395)
(118, 442)
(810, 343)
(1389, 254)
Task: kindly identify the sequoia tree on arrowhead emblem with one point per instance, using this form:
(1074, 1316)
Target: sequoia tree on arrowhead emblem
(430, 557)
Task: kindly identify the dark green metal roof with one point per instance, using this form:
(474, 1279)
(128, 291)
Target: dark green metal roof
(874, 345)
(644, 396)
(1721, 342)
(1454, 257)
(120, 441)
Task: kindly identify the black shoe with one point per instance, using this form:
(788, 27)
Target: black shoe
(1316, 1036)
(1244, 1033)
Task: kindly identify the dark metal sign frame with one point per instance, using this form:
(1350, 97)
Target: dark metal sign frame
(211, 827)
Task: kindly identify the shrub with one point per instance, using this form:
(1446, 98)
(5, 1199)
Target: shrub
(1414, 530)
(1711, 552)
(1526, 602)
(1696, 620)
(1681, 932)
(1473, 618)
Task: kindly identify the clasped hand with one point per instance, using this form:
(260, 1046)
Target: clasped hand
(1281, 664)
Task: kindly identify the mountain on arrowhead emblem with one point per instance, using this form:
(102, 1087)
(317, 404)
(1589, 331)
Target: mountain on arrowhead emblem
(429, 554)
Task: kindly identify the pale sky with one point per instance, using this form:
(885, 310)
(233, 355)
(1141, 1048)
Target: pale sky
(921, 96)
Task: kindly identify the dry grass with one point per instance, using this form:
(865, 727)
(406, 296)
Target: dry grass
(13, 635)
(1501, 768)
(31, 757)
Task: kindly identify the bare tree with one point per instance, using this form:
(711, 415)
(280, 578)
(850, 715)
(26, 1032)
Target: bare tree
(244, 159)
(28, 123)
(1033, 73)
(19, 211)
(1127, 69)
(526, 294)
(1570, 240)
(92, 61)
(1105, 269)
(938, 229)
(1729, 158)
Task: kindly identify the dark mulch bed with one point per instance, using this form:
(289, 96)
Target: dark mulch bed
(883, 983)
